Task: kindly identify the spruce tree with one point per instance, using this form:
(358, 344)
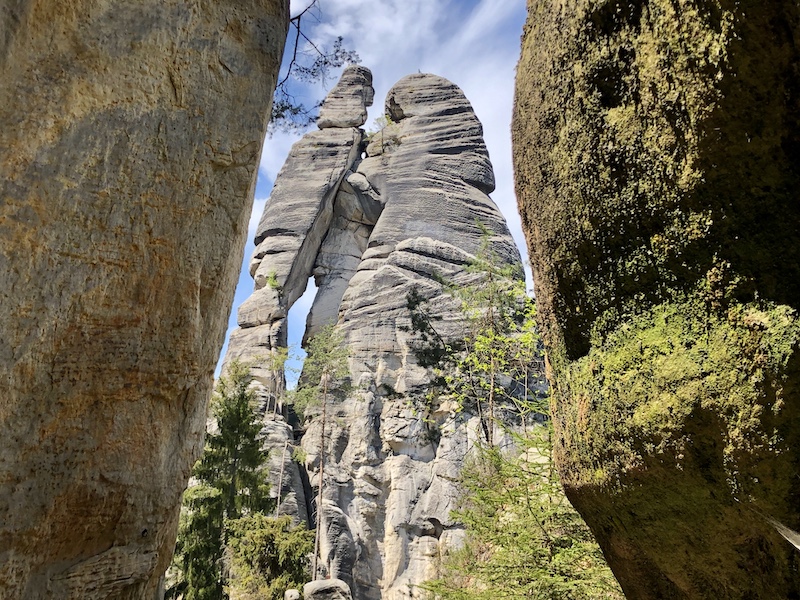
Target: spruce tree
(270, 556)
(230, 482)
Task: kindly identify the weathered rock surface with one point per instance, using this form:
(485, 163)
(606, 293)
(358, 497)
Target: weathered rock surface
(130, 138)
(656, 149)
(376, 228)
(346, 105)
(327, 589)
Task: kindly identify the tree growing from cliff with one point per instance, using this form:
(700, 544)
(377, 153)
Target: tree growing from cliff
(524, 539)
(497, 363)
(230, 486)
(324, 370)
(308, 62)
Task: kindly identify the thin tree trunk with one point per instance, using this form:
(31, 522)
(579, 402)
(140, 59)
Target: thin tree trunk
(321, 470)
(280, 477)
(491, 403)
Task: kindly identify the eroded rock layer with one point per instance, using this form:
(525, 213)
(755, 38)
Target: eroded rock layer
(131, 133)
(408, 206)
(657, 159)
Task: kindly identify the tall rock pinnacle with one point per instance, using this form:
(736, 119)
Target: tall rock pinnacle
(371, 219)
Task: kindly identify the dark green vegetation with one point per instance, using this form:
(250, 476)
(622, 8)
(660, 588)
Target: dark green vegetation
(225, 536)
(523, 538)
(288, 112)
(657, 155)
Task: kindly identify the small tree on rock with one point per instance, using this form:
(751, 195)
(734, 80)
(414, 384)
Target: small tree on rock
(324, 370)
(523, 538)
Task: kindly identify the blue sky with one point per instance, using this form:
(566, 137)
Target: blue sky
(473, 43)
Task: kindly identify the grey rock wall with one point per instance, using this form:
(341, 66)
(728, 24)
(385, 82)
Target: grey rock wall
(129, 141)
(371, 220)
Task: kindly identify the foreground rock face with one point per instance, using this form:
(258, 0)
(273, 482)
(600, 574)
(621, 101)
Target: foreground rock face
(370, 229)
(656, 148)
(130, 137)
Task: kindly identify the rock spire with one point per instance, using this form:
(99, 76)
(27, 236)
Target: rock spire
(371, 218)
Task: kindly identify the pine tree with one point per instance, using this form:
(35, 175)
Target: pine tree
(498, 362)
(230, 483)
(523, 538)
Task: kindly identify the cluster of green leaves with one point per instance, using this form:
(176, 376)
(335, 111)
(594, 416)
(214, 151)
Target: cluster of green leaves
(524, 539)
(233, 456)
(270, 555)
(230, 489)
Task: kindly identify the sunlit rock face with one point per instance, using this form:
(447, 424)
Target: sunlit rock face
(130, 138)
(657, 169)
(371, 218)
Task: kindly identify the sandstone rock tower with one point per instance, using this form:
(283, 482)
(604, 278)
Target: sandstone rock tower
(130, 134)
(657, 161)
(371, 219)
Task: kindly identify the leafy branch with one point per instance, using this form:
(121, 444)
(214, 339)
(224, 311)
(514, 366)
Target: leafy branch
(289, 113)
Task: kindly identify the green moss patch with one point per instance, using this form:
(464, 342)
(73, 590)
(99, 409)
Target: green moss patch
(641, 394)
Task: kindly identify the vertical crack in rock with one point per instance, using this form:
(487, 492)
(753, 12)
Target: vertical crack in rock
(370, 230)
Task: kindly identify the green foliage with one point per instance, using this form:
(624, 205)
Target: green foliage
(378, 125)
(199, 549)
(324, 370)
(272, 281)
(524, 539)
(498, 363)
(233, 455)
(231, 483)
(269, 556)
(299, 455)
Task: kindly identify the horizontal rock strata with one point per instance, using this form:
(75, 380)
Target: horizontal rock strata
(407, 207)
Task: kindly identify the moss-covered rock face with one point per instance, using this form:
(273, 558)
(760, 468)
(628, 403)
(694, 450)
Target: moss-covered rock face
(657, 155)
